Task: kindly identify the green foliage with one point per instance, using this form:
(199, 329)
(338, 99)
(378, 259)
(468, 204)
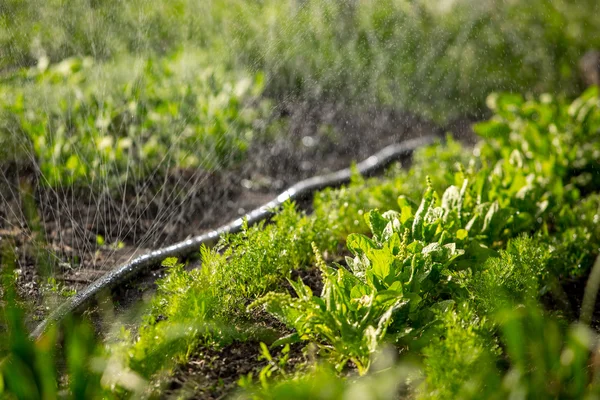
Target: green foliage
(204, 303)
(516, 277)
(436, 58)
(424, 258)
(344, 208)
(432, 275)
(435, 275)
(553, 137)
(547, 361)
(34, 32)
(349, 316)
(322, 382)
(155, 115)
(201, 304)
(545, 358)
(399, 272)
(412, 254)
(72, 367)
(451, 274)
(577, 239)
(460, 362)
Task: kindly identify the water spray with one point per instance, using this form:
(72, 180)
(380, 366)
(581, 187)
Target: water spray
(124, 273)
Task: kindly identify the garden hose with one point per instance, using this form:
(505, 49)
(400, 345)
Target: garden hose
(125, 272)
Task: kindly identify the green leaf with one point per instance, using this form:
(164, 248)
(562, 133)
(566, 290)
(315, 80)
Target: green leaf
(404, 201)
(426, 204)
(406, 214)
(415, 247)
(99, 240)
(377, 224)
(360, 244)
(491, 129)
(288, 339)
(462, 234)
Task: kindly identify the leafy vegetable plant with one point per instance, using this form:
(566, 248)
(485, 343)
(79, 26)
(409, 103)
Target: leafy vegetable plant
(157, 114)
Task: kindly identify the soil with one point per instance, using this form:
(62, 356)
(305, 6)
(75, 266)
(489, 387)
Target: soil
(214, 374)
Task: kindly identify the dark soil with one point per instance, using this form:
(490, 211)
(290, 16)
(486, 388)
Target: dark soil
(214, 374)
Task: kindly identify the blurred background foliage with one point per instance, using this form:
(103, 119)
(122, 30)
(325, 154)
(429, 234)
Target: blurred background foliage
(105, 124)
(81, 79)
(103, 73)
(438, 58)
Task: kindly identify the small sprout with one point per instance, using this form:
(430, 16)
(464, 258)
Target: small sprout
(100, 240)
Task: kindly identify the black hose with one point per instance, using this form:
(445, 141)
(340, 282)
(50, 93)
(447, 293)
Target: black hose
(127, 271)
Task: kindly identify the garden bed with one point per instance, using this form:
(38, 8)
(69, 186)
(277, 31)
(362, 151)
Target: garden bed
(482, 256)
(464, 273)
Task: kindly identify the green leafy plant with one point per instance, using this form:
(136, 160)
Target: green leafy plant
(423, 258)
(349, 316)
(499, 230)
(158, 114)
